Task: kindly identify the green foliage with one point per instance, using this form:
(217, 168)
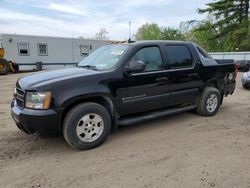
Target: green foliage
(203, 37)
(225, 29)
(231, 21)
(148, 32)
(168, 33)
(154, 32)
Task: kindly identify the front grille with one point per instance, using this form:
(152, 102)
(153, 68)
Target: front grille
(20, 97)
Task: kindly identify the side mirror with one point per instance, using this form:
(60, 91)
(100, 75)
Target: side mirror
(135, 67)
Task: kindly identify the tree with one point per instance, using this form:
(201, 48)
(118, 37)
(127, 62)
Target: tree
(202, 34)
(148, 31)
(168, 33)
(231, 20)
(102, 34)
(154, 32)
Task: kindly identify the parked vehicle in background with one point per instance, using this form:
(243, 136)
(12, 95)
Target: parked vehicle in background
(243, 65)
(246, 80)
(5, 65)
(120, 85)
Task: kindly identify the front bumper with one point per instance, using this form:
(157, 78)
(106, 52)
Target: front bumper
(31, 121)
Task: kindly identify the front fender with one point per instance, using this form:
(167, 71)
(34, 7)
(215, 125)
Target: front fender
(86, 97)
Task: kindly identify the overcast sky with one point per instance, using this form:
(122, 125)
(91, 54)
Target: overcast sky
(86, 17)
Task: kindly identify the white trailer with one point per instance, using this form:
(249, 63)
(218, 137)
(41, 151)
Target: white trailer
(53, 52)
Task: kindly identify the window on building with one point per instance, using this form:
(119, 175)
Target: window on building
(179, 56)
(23, 48)
(84, 50)
(151, 56)
(42, 49)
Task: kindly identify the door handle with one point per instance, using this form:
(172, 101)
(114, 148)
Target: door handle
(161, 79)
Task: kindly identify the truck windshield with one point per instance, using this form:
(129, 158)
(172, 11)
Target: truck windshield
(104, 58)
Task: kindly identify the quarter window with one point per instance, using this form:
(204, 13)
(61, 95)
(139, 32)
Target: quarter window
(179, 56)
(23, 48)
(202, 53)
(42, 49)
(151, 56)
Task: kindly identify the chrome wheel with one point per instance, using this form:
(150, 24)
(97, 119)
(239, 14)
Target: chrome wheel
(212, 103)
(90, 127)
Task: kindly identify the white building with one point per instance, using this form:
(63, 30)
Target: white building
(26, 50)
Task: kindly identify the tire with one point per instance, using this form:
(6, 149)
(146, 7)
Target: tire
(246, 69)
(210, 102)
(244, 86)
(15, 67)
(4, 66)
(86, 126)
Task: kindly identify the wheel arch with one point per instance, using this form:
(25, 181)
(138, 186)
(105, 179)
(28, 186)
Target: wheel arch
(105, 101)
(217, 83)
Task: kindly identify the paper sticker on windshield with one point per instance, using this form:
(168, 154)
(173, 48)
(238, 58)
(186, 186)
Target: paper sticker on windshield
(117, 52)
(102, 65)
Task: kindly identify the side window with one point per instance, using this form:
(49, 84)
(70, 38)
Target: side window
(151, 56)
(84, 50)
(42, 49)
(179, 56)
(23, 48)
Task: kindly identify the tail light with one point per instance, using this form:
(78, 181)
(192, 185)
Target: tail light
(235, 71)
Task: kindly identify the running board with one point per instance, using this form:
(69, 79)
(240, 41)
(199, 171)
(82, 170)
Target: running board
(153, 115)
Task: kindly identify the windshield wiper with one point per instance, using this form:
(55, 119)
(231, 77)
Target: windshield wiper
(88, 67)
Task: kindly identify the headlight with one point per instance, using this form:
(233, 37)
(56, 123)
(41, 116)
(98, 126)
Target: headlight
(38, 100)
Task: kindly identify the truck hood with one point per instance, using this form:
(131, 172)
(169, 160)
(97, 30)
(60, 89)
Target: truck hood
(44, 78)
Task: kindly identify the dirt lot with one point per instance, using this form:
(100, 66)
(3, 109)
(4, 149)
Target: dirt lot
(185, 150)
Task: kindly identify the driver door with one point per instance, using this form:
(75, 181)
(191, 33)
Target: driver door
(147, 90)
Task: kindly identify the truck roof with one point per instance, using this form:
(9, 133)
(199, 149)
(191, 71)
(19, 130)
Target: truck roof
(161, 41)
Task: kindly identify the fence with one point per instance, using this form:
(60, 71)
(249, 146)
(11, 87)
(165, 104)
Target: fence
(231, 55)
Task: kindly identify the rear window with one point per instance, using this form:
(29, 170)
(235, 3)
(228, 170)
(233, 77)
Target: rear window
(179, 56)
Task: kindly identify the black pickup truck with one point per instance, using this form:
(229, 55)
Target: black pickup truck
(121, 84)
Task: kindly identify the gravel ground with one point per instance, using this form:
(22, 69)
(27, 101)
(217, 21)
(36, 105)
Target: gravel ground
(184, 150)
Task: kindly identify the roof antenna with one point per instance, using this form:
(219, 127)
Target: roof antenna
(129, 26)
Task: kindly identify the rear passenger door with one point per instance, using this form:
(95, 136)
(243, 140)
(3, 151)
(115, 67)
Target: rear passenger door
(184, 81)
